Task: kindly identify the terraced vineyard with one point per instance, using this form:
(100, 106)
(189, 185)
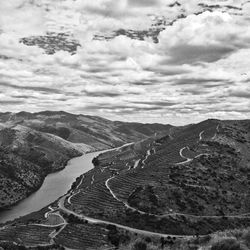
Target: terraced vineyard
(97, 198)
(190, 182)
(28, 235)
(175, 178)
(168, 182)
(83, 236)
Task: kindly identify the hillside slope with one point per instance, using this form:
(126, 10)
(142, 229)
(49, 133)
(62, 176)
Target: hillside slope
(27, 156)
(190, 180)
(173, 190)
(95, 131)
(41, 143)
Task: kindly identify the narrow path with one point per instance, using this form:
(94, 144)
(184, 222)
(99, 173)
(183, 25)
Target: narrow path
(217, 128)
(114, 195)
(181, 154)
(139, 231)
(47, 214)
(92, 179)
(187, 147)
(217, 131)
(71, 196)
(103, 169)
(123, 146)
(137, 163)
(116, 198)
(146, 157)
(46, 225)
(55, 233)
(80, 183)
(131, 229)
(200, 135)
(170, 134)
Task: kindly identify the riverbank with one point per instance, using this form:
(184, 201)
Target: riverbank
(34, 189)
(58, 182)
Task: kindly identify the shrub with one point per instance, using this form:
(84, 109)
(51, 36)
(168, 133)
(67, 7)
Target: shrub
(246, 238)
(140, 245)
(227, 244)
(148, 239)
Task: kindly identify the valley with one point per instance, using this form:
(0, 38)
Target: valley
(124, 125)
(177, 189)
(32, 145)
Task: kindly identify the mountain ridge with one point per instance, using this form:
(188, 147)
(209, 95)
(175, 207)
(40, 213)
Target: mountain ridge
(44, 142)
(174, 190)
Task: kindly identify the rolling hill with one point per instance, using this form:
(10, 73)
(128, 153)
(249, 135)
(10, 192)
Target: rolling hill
(34, 145)
(184, 189)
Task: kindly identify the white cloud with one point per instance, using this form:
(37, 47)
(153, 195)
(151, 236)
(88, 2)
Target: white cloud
(21, 19)
(199, 69)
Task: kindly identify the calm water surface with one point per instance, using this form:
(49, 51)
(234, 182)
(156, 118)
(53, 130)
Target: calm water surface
(54, 186)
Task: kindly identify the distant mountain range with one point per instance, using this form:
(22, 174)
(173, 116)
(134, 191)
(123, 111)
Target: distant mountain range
(35, 144)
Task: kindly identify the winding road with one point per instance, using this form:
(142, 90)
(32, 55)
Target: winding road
(146, 157)
(200, 135)
(131, 229)
(187, 147)
(184, 157)
(68, 196)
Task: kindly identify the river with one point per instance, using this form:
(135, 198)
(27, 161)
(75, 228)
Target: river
(54, 186)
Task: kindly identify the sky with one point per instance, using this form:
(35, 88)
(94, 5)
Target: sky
(197, 69)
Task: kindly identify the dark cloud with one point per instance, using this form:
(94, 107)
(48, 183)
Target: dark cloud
(167, 71)
(95, 70)
(143, 3)
(23, 96)
(240, 94)
(4, 57)
(107, 10)
(33, 88)
(62, 99)
(101, 93)
(121, 108)
(195, 91)
(141, 109)
(208, 101)
(202, 82)
(191, 54)
(145, 82)
(157, 103)
(10, 102)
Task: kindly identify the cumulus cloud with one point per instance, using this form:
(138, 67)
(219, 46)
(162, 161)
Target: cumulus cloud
(207, 37)
(21, 19)
(199, 69)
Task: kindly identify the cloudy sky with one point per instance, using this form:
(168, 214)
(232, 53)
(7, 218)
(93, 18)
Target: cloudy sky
(135, 60)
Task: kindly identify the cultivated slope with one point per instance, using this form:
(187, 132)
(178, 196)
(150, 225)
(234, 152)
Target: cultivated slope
(191, 182)
(97, 132)
(33, 145)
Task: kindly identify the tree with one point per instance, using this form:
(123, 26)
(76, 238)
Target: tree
(140, 245)
(227, 244)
